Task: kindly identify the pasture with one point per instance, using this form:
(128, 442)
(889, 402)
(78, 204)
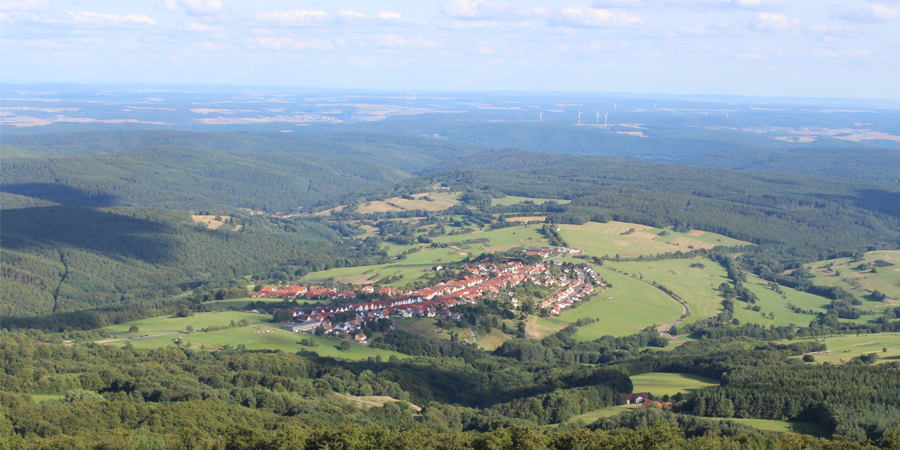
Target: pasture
(251, 336)
(659, 383)
(616, 238)
(165, 324)
(410, 268)
(633, 307)
(861, 283)
(513, 200)
(845, 347)
(698, 287)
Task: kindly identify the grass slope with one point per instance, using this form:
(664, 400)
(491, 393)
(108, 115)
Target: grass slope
(601, 239)
(659, 383)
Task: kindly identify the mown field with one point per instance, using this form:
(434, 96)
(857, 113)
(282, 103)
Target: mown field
(633, 307)
(599, 239)
(698, 287)
(660, 383)
(845, 347)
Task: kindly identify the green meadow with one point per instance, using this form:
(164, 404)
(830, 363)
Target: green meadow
(698, 287)
(845, 347)
(633, 307)
(164, 324)
(861, 282)
(617, 238)
(660, 383)
(513, 200)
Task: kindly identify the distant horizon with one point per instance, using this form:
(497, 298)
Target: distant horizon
(188, 87)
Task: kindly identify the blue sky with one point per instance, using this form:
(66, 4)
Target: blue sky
(796, 48)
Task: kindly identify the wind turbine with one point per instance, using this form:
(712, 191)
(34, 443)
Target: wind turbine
(542, 114)
(598, 116)
(604, 118)
(579, 117)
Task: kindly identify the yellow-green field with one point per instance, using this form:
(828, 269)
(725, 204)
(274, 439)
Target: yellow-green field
(698, 287)
(164, 330)
(513, 200)
(599, 239)
(861, 282)
(411, 268)
(659, 383)
(633, 307)
(592, 416)
(175, 324)
(426, 327)
(414, 265)
(783, 426)
(845, 347)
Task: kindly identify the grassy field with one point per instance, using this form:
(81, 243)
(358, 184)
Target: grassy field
(426, 327)
(41, 398)
(633, 307)
(696, 286)
(254, 340)
(599, 239)
(845, 347)
(411, 268)
(174, 324)
(782, 426)
(592, 416)
(861, 282)
(241, 303)
(513, 200)
(659, 383)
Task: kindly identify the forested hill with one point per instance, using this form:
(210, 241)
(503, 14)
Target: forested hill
(410, 153)
(876, 165)
(192, 179)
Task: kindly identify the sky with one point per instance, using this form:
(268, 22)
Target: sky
(787, 48)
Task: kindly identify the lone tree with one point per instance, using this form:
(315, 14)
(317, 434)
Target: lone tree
(189, 328)
(134, 329)
(344, 346)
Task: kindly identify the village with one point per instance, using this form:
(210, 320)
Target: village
(475, 281)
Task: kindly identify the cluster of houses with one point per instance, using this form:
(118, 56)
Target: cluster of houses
(575, 290)
(434, 301)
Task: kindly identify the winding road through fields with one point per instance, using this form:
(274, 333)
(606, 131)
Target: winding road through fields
(663, 330)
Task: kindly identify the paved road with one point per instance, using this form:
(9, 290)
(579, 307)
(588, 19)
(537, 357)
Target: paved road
(663, 330)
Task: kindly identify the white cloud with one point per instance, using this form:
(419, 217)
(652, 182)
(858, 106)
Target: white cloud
(297, 17)
(766, 21)
(203, 28)
(693, 5)
(871, 14)
(595, 18)
(485, 10)
(194, 7)
(23, 5)
(95, 18)
(392, 40)
(861, 53)
(271, 43)
(474, 9)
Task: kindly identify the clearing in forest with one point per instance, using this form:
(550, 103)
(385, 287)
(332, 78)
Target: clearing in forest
(212, 222)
